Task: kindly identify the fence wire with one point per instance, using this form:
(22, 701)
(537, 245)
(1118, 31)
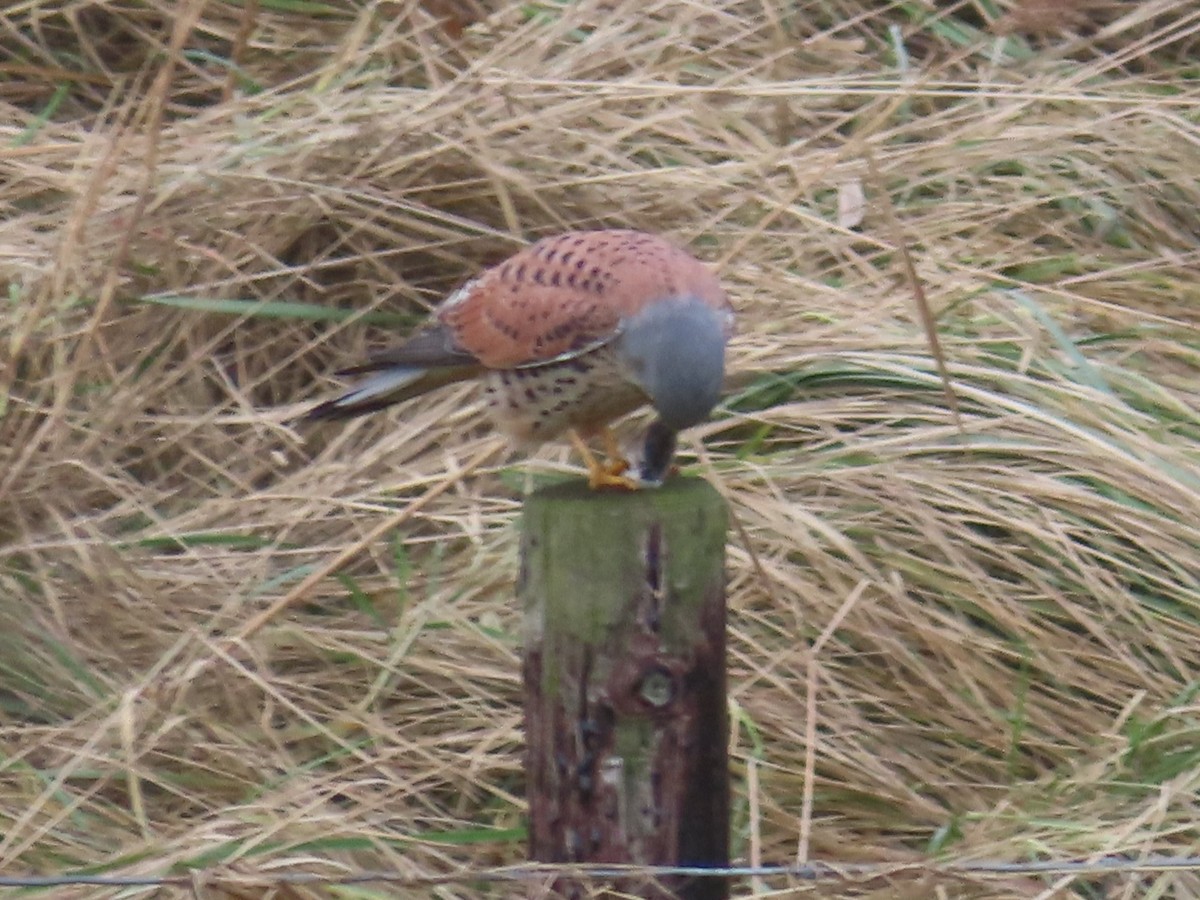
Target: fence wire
(816, 871)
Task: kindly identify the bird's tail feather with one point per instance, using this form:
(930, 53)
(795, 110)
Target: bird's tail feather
(385, 387)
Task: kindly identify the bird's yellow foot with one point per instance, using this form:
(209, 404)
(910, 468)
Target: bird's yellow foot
(601, 478)
(611, 472)
(616, 464)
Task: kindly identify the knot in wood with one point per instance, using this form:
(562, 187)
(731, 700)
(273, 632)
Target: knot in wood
(657, 687)
(649, 684)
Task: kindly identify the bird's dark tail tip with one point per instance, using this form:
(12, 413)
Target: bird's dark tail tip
(375, 393)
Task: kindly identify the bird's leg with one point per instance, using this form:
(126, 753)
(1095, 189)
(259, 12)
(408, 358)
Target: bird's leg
(599, 475)
(616, 464)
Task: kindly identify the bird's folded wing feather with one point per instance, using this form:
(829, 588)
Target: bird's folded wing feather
(430, 348)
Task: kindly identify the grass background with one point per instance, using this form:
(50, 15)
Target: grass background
(224, 643)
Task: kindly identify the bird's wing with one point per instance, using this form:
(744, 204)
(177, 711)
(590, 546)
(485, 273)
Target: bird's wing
(566, 295)
(432, 347)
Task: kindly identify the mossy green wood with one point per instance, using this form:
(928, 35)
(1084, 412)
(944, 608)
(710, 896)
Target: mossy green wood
(625, 711)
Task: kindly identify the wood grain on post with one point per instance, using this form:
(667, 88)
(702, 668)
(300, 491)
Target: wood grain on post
(625, 708)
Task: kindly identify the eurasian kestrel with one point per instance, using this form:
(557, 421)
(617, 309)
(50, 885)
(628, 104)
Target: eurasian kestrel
(568, 335)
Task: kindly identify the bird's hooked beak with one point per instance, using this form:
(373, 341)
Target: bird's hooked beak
(658, 449)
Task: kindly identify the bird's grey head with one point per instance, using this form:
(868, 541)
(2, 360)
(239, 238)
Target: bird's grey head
(675, 350)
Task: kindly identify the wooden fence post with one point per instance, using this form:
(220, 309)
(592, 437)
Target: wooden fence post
(624, 670)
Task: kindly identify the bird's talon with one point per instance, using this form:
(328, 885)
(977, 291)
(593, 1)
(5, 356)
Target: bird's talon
(607, 474)
(618, 466)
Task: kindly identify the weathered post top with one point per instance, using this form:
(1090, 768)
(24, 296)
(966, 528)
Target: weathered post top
(625, 707)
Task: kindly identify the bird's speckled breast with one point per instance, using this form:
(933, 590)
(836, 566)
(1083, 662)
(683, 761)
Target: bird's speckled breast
(537, 403)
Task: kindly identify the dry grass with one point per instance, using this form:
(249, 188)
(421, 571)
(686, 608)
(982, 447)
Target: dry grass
(998, 628)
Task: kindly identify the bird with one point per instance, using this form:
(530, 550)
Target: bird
(568, 335)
